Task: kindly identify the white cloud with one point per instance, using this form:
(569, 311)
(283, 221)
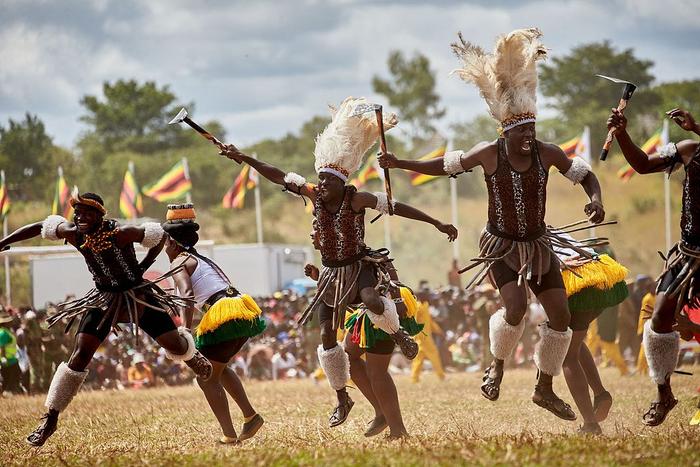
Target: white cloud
(262, 68)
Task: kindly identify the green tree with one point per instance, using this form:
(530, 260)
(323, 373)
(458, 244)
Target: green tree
(25, 155)
(411, 90)
(132, 116)
(581, 98)
(682, 94)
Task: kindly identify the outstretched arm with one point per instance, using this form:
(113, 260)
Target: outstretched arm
(378, 201)
(270, 172)
(452, 163)
(59, 228)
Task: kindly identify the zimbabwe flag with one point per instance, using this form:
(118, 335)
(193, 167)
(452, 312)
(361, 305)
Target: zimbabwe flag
(570, 146)
(652, 145)
(235, 196)
(172, 186)
(61, 200)
(130, 200)
(368, 172)
(4, 199)
(434, 148)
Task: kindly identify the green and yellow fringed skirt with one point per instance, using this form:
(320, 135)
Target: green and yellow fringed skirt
(365, 334)
(229, 318)
(595, 285)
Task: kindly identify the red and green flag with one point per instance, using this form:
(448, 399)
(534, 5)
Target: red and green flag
(235, 196)
(130, 199)
(61, 200)
(4, 199)
(173, 186)
(434, 148)
(368, 172)
(651, 146)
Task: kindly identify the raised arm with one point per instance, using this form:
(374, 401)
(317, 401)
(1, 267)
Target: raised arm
(290, 181)
(666, 156)
(452, 163)
(379, 201)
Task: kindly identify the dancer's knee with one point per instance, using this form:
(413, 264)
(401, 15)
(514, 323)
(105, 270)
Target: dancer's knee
(328, 335)
(515, 310)
(559, 321)
(372, 300)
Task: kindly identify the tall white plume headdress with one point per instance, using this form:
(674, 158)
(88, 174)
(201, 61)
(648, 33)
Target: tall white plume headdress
(341, 146)
(506, 78)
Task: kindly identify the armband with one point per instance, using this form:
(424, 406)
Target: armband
(383, 202)
(452, 162)
(295, 180)
(49, 228)
(578, 170)
(152, 235)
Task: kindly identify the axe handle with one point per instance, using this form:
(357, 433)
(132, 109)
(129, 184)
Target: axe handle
(611, 133)
(203, 132)
(382, 145)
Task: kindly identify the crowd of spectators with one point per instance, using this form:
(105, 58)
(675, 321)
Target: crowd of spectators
(30, 351)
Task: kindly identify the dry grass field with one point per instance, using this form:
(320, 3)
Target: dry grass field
(449, 422)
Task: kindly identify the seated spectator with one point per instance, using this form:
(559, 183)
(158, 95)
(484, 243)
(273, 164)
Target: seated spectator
(10, 373)
(283, 364)
(139, 374)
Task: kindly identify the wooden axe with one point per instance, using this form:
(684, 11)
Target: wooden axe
(377, 109)
(183, 116)
(626, 96)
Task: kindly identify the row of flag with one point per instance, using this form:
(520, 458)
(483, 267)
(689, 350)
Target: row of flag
(176, 185)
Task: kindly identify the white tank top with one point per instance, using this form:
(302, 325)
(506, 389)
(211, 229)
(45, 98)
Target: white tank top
(206, 281)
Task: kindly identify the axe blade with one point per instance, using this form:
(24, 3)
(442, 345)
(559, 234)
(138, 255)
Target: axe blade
(614, 80)
(364, 108)
(180, 117)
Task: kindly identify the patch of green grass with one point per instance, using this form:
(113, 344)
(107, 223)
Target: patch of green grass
(450, 424)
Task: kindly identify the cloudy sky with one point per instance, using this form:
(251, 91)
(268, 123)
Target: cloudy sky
(262, 68)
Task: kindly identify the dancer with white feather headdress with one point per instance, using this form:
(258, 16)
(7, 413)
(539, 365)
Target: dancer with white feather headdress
(516, 248)
(352, 274)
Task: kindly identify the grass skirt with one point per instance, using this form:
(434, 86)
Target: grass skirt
(593, 298)
(365, 334)
(229, 318)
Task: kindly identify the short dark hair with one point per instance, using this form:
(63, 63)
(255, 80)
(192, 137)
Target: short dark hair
(93, 196)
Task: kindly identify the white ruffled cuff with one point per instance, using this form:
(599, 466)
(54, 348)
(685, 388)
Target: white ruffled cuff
(383, 202)
(578, 170)
(452, 162)
(152, 235)
(49, 228)
(667, 151)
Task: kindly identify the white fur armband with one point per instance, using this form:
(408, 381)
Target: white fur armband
(578, 170)
(295, 179)
(452, 162)
(668, 151)
(383, 202)
(49, 228)
(152, 235)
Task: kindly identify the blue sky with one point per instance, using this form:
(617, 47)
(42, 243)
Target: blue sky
(262, 68)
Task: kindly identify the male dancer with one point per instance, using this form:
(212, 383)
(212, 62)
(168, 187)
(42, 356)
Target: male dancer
(121, 294)
(349, 275)
(516, 246)
(676, 285)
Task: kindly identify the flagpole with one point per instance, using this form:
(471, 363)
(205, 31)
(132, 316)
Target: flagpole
(6, 259)
(455, 220)
(667, 191)
(387, 232)
(186, 168)
(258, 208)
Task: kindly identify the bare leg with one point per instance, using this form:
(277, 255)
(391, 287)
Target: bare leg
(384, 388)
(216, 397)
(233, 385)
(589, 367)
(576, 380)
(358, 373)
(173, 342)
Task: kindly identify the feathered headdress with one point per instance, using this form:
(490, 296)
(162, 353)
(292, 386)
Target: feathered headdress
(506, 78)
(342, 145)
